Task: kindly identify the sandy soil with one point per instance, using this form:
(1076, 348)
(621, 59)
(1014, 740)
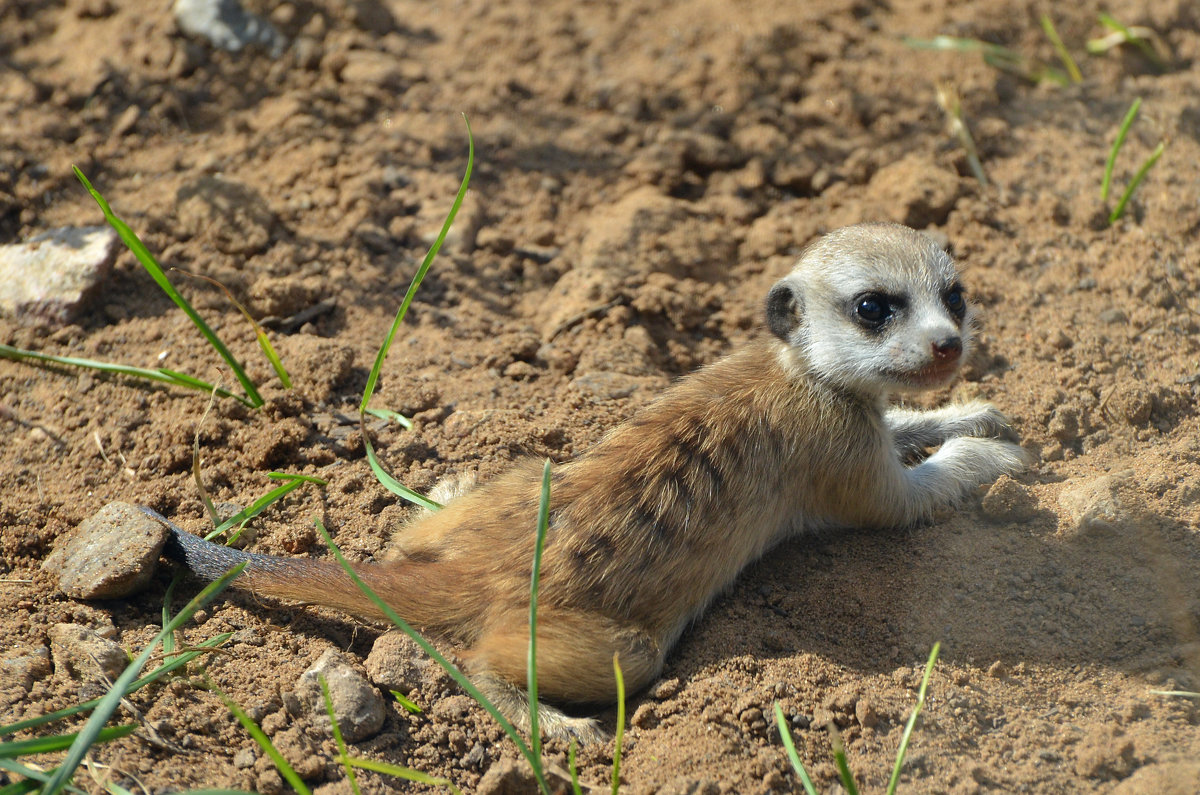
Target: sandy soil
(645, 171)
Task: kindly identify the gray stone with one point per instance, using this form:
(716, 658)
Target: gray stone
(113, 554)
(80, 652)
(226, 25)
(357, 705)
(51, 276)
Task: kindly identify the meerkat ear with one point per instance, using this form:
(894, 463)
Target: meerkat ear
(783, 310)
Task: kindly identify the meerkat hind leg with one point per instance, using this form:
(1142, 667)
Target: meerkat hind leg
(574, 662)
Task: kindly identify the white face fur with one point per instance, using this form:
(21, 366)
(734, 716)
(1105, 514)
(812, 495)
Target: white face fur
(874, 308)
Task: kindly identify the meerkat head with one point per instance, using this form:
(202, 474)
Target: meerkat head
(875, 308)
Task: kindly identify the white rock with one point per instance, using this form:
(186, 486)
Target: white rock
(225, 24)
(51, 275)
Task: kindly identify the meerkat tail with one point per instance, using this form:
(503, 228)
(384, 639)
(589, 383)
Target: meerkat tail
(416, 591)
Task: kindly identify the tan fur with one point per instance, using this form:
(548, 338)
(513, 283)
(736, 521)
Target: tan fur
(661, 516)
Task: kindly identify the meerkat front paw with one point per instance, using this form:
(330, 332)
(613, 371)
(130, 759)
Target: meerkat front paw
(978, 460)
(982, 419)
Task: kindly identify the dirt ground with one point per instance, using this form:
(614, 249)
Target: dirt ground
(645, 170)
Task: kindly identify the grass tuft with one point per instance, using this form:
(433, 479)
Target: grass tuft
(406, 773)
(912, 719)
(343, 754)
(134, 243)
(1064, 54)
(789, 745)
(1106, 182)
(286, 770)
(616, 770)
(1141, 38)
(839, 750)
(996, 56)
(543, 524)
(949, 102)
(381, 474)
(107, 705)
(264, 342)
(162, 374)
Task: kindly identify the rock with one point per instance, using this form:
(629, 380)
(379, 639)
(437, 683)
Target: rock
(26, 669)
(1009, 501)
(114, 553)
(357, 705)
(397, 663)
(226, 25)
(1163, 778)
(51, 276)
(82, 653)
(1093, 507)
(507, 777)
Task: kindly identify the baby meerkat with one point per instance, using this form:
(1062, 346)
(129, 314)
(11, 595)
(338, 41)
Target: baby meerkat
(793, 432)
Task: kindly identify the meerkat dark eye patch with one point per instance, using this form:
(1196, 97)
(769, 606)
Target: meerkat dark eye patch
(955, 300)
(783, 311)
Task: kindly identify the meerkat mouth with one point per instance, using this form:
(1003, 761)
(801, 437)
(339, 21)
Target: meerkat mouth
(931, 375)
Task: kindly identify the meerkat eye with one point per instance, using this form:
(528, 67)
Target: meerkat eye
(955, 301)
(872, 309)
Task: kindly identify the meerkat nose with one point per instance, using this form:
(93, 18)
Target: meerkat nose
(947, 349)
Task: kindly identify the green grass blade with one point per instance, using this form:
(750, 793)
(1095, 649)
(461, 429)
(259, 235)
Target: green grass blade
(268, 350)
(390, 483)
(169, 638)
(34, 778)
(573, 768)
(1119, 210)
(428, 648)
(108, 704)
(616, 771)
(406, 773)
(264, 343)
(912, 720)
(1130, 115)
(343, 754)
(373, 378)
(180, 661)
(264, 742)
(994, 55)
(134, 243)
(162, 375)
(839, 761)
(543, 524)
(405, 702)
(392, 416)
(46, 745)
(1064, 54)
(789, 745)
(1132, 38)
(292, 482)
